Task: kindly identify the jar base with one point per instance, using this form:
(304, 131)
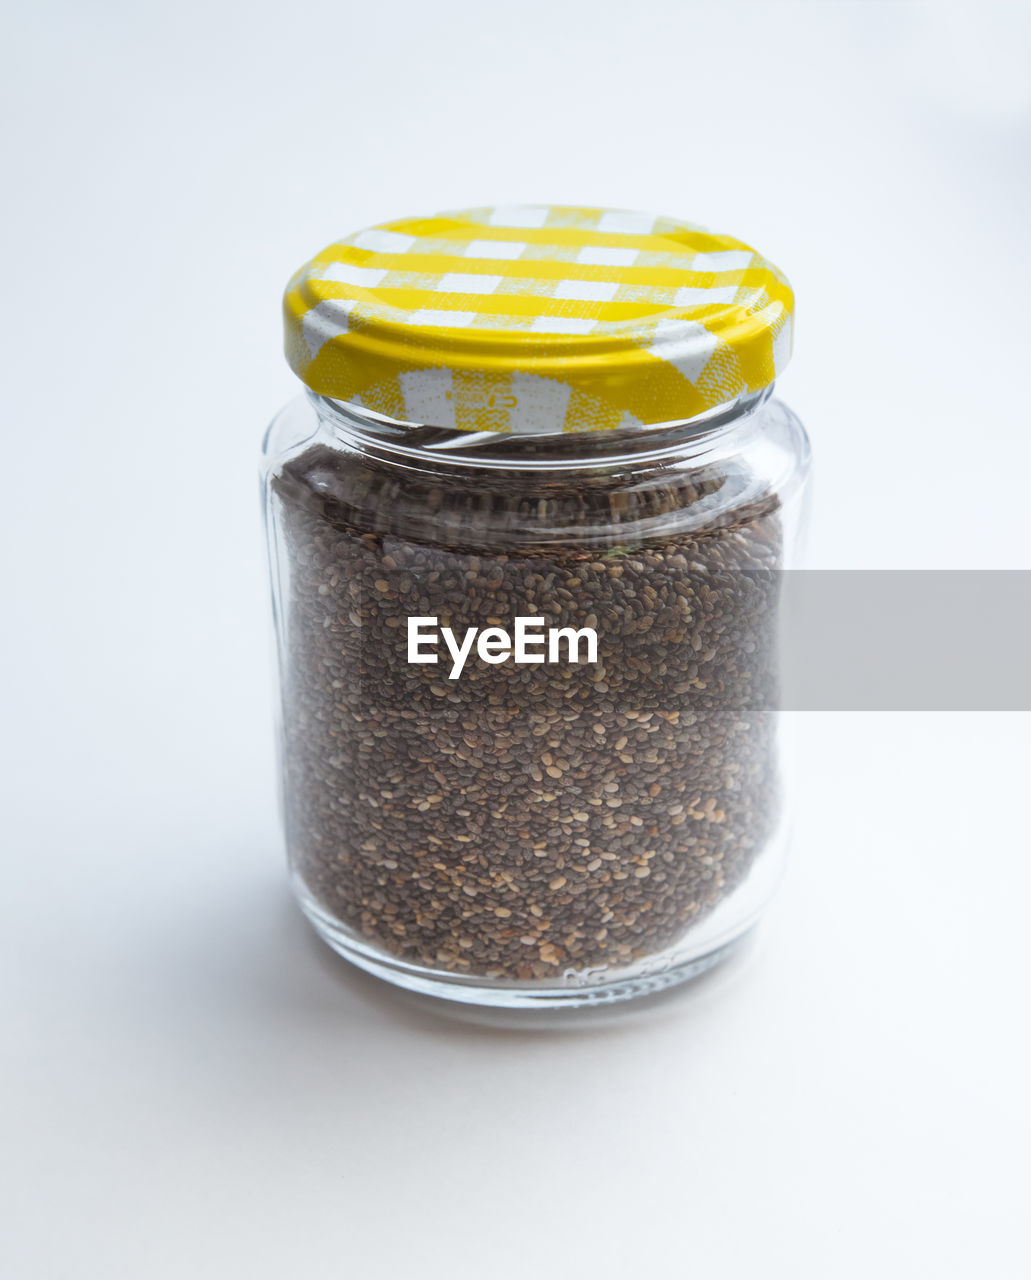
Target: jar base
(572, 989)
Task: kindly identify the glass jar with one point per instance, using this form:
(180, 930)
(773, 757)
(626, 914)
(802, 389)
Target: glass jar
(529, 725)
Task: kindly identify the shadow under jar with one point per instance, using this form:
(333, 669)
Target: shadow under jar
(529, 725)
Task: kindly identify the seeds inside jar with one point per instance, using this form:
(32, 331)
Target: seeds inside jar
(597, 810)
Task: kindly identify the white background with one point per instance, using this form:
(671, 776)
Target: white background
(192, 1086)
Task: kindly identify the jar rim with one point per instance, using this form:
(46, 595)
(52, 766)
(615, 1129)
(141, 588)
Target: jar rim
(693, 437)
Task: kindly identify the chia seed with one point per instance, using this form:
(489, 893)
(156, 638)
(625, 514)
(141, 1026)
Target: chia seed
(524, 821)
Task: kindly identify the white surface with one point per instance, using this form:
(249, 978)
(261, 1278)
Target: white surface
(191, 1085)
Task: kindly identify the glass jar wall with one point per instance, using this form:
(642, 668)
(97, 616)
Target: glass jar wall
(529, 727)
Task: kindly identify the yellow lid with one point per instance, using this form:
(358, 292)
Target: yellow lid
(538, 318)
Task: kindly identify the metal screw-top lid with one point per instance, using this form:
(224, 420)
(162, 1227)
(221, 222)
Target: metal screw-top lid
(537, 318)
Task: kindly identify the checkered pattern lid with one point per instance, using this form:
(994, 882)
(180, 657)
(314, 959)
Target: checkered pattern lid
(538, 318)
